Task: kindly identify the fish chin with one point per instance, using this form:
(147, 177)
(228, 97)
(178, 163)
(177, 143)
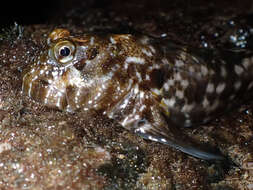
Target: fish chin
(44, 83)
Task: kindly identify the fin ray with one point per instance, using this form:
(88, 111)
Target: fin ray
(169, 139)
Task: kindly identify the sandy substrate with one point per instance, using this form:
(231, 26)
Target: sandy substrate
(41, 148)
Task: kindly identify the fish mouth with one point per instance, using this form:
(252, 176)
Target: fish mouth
(61, 89)
(46, 86)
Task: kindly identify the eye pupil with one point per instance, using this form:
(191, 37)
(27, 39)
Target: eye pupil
(65, 51)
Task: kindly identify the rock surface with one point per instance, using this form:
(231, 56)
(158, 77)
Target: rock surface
(42, 148)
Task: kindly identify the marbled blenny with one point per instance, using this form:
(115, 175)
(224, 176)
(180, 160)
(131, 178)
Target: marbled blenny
(146, 84)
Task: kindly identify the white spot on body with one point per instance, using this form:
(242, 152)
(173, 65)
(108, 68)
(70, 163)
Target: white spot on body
(179, 63)
(166, 86)
(187, 115)
(42, 71)
(141, 94)
(47, 95)
(136, 89)
(152, 138)
(204, 70)
(187, 122)
(184, 83)
(223, 72)
(4, 147)
(55, 73)
(135, 60)
(143, 128)
(142, 108)
(103, 86)
(139, 76)
(152, 49)
(126, 66)
(165, 61)
(35, 78)
(58, 103)
(180, 94)
(123, 123)
(87, 62)
(112, 40)
(238, 70)
(220, 88)
(237, 85)
(136, 117)
(126, 36)
(177, 76)
(205, 102)
(130, 83)
(187, 107)
(154, 66)
(191, 69)
(246, 63)
(29, 89)
(169, 102)
(92, 41)
(183, 55)
(98, 95)
(156, 91)
(147, 77)
(146, 52)
(210, 88)
(171, 82)
(130, 119)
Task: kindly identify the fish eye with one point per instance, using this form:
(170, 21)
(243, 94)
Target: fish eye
(64, 51)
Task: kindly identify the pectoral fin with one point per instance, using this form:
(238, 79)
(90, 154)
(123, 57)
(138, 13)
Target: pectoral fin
(143, 117)
(182, 142)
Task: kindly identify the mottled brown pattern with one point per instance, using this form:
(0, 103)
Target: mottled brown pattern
(142, 82)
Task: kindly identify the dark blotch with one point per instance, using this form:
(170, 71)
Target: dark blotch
(157, 78)
(80, 65)
(43, 83)
(92, 53)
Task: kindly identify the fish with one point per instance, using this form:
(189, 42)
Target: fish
(146, 84)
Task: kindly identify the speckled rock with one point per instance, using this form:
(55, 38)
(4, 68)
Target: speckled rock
(41, 148)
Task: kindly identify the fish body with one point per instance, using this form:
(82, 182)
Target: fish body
(146, 84)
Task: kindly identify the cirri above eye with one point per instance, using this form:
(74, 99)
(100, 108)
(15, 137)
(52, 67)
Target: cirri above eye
(64, 51)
